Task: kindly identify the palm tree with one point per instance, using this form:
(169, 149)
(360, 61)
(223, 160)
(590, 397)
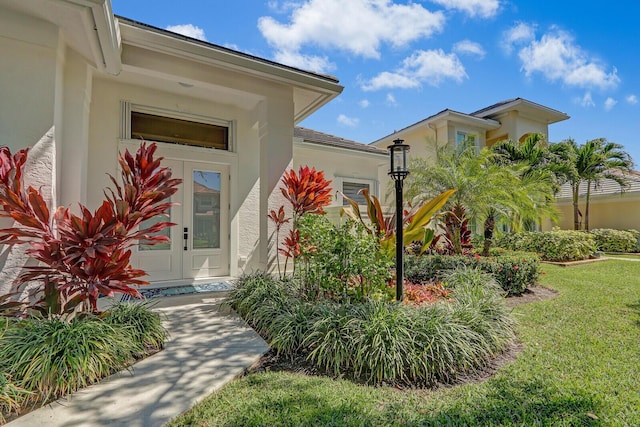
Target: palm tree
(486, 186)
(611, 162)
(536, 154)
(591, 162)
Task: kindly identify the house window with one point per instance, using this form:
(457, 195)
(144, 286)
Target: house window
(174, 127)
(465, 140)
(152, 127)
(351, 188)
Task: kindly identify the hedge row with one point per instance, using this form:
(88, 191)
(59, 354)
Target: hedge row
(555, 245)
(609, 240)
(514, 271)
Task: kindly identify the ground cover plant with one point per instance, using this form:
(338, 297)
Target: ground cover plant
(578, 366)
(42, 359)
(380, 342)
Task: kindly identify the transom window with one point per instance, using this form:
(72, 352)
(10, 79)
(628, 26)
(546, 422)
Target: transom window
(157, 128)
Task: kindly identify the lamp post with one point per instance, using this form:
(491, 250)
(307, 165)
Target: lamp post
(398, 172)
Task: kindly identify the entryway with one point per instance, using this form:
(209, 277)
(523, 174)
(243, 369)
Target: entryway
(199, 243)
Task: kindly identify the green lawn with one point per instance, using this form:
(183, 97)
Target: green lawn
(631, 256)
(580, 366)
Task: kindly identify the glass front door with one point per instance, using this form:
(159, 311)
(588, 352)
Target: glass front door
(199, 243)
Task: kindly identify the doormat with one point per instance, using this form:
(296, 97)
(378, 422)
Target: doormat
(181, 290)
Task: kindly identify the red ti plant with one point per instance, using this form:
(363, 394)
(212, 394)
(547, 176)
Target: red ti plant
(308, 192)
(84, 256)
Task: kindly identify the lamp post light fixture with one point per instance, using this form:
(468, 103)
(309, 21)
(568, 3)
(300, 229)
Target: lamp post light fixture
(398, 172)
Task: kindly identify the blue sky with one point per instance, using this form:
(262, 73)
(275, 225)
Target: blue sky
(403, 61)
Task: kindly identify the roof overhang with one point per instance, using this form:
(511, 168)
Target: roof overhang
(88, 27)
(441, 119)
(526, 108)
(310, 91)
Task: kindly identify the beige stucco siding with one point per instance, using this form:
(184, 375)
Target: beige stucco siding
(620, 212)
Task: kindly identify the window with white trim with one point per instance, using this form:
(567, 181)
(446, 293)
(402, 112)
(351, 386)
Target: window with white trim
(351, 187)
(466, 139)
(159, 125)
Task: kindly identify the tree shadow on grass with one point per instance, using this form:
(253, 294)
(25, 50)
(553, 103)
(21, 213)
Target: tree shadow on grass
(636, 309)
(290, 402)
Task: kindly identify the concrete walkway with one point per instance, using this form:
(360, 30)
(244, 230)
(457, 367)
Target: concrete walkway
(208, 348)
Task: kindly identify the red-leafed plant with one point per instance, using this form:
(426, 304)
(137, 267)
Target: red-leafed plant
(308, 192)
(456, 235)
(84, 256)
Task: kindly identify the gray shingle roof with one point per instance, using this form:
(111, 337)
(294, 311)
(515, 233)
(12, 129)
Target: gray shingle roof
(321, 138)
(607, 187)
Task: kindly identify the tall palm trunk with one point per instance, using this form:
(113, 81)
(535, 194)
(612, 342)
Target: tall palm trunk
(576, 217)
(586, 209)
(489, 227)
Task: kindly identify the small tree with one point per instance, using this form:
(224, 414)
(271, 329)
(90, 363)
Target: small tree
(84, 256)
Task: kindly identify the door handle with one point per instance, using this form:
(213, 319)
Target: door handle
(186, 238)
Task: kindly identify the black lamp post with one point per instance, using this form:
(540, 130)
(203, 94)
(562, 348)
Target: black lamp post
(398, 171)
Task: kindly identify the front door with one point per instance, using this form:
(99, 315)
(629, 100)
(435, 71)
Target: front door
(199, 243)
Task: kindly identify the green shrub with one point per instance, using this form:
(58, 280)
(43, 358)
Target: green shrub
(635, 234)
(513, 271)
(555, 245)
(610, 240)
(382, 342)
(53, 357)
(341, 261)
(144, 325)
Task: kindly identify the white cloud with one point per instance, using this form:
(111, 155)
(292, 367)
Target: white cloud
(587, 100)
(188, 30)
(364, 103)
(609, 104)
(356, 26)
(469, 47)
(423, 66)
(558, 58)
(481, 8)
(391, 100)
(632, 99)
(348, 121)
(518, 34)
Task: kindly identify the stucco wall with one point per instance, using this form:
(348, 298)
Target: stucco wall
(338, 164)
(617, 212)
(29, 49)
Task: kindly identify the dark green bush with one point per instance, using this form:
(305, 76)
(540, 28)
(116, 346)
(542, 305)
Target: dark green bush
(555, 245)
(382, 342)
(610, 240)
(513, 271)
(144, 324)
(53, 357)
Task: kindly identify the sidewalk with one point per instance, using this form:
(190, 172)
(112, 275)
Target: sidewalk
(207, 349)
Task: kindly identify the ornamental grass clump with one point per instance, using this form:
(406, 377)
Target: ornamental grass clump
(53, 357)
(144, 325)
(381, 342)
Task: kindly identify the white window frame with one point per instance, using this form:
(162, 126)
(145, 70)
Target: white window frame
(340, 180)
(126, 107)
(467, 133)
